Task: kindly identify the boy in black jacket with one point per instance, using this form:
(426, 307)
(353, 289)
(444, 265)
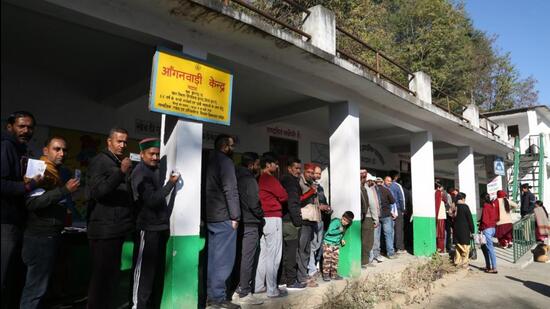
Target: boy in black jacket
(45, 221)
(153, 225)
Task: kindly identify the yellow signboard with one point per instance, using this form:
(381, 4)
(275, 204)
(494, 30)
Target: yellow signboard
(190, 89)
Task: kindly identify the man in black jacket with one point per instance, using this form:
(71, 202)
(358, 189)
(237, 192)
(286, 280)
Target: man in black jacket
(292, 221)
(527, 200)
(19, 131)
(223, 213)
(252, 218)
(152, 224)
(110, 216)
(45, 221)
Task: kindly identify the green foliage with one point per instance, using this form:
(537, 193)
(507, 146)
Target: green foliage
(437, 37)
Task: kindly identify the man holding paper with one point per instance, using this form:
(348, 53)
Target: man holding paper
(19, 131)
(45, 221)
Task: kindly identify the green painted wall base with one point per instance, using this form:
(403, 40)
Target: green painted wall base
(181, 281)
(350, 255)
(424, 236)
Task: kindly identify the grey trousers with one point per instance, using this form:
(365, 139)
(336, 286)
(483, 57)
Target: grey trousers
(271, 247)
(304, 251)
(316, 248)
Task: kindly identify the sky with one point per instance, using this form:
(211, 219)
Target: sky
(522, 28)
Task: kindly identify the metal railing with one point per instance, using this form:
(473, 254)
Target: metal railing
(285, 13)
(523, 233)
(357, 55)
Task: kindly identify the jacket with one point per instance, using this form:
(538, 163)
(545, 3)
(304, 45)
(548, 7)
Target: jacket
(12, 210)
(335, 233)
(110, 209)
(489, 216)
(251, 209)
(222, 195)
(46, 215)
(398, 195)
(463, 224)
(527, 203)
(152, 210)
(292, 208)
(309, 197)
(386, 200)
(369, 209)
(272, 195)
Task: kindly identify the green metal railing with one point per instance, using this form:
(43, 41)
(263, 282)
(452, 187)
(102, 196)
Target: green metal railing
(542, 168)
(523, 236)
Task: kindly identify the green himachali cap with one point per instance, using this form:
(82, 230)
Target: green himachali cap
(149, 143)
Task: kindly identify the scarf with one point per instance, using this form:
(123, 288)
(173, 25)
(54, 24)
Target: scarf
(51, 179)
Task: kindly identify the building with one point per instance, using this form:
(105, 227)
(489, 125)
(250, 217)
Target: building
(82, 67)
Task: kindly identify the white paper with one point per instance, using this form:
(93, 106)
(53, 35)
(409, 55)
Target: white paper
(35, 167)
(135, 157)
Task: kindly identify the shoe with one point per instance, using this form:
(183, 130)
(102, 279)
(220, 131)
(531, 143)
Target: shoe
(379, 259)
(283, 292)
(326, 278)
(392, 257)
(337, 277)
(222, 304)
(401, 251)
(296, 286)
(250, 299)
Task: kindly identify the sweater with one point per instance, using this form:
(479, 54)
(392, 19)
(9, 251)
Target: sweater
(489, 216)
(272, 195)
(221, 193)
(335, 233)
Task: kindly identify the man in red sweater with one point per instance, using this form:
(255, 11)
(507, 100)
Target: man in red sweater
(272, 195)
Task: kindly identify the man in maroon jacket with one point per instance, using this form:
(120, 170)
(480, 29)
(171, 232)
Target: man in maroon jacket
(272, 195)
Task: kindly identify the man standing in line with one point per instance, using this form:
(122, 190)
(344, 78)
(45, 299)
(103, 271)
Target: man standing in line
(252, 219)
(527, 200)
(223, 213)
(318, 231)
(374, 199)
(399, 196)
(272, 195)
(386, 216)
(45, 221)
(152, 225)
(19, 131)
(110, 216)
(369, 220)
(311, 215)
(292, 222)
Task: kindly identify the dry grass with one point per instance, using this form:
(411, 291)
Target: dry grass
(367, 292)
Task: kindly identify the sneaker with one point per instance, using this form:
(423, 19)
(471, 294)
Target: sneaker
(282, 286)
(401, 251)
(392, 257)
(379, 259)
(283, 292)
(250, 299)
(326, 278)
(296, 286)
(337, 277)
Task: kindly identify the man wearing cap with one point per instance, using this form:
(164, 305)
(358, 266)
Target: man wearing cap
(110, 216)
(527, 200)
(369, 219)
(152, 225)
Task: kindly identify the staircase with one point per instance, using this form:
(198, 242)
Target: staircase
(528, 168)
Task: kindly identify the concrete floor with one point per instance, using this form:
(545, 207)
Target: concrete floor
(512, 287)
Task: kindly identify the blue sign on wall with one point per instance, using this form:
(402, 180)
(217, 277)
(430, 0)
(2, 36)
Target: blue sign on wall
(498, 166)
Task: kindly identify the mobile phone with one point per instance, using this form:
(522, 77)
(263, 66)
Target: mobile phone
(77, 174)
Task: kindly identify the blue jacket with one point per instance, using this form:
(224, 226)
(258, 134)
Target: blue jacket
(395, 190)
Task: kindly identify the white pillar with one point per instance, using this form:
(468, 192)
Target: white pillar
(423, 193)
(345, 185)
(321, 25)
(422, 86)
(472, 114)
(467, 181)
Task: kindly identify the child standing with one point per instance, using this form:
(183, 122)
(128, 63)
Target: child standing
(331, 245)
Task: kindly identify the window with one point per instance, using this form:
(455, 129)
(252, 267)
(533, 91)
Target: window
(513, 131)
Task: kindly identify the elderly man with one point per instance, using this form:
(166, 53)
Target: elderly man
(369, 219)
(152, 224)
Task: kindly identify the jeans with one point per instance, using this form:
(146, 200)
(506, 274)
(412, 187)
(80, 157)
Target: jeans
(387, 227)
(488, 249)
(375, 252)
(316, 248)
(12, 266)
(222, 247)
(39, 253)
(271, 247)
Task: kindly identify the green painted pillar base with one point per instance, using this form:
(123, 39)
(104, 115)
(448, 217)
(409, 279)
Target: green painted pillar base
(181, 280)
(350, 255)
(424, 243)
